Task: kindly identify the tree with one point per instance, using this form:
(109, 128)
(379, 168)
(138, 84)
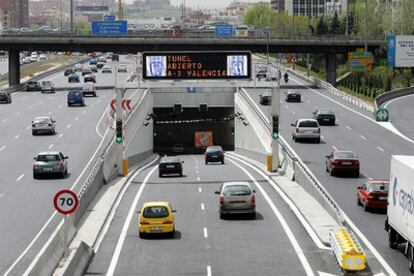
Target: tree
(322, 27)
(334, 25)
(406, 21)
(260, 15)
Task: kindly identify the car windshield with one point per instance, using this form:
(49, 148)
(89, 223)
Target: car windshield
(325, 111)
(48, 157)
(155, 212)
(236, 190)
(44, 83)
(170, 160)
(41, 120)
(344, 155)
(308, 124)
(213, 149)
(32, 82)
(75, 93)
(2, 93)
(377, 187)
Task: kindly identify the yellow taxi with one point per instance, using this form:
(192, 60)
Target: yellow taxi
(156, 217)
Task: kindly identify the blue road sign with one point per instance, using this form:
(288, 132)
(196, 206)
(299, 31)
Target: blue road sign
(391, 50)
(109, 18)
(224, 30)
(191, 89)
(110, 28)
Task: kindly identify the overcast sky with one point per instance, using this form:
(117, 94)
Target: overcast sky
(202, 3)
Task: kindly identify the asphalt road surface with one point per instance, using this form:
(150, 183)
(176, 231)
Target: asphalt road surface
(401, 114)
(204, 244)
(357, 131)
(26, 204)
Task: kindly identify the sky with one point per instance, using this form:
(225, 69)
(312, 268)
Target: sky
(202, 3)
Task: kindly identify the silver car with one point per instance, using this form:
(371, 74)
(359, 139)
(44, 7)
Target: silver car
(107, 69)
(306, 129)
(43, 124)
(50, 162)
(78, 67)
(236, 198)
(47, 86)
(122, 68)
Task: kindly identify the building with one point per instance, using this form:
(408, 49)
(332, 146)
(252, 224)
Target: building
(332, 6)
(310, 8)
(19, 14)
(5, 10)
(278, 5)
(151, 4)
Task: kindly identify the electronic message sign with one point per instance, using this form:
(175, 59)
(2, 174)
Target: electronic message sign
(196, 65)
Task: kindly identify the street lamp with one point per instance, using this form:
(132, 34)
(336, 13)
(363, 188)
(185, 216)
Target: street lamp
(365, 42)
(267, 45)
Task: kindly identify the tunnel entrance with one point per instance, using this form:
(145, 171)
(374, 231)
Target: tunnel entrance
(180, 131)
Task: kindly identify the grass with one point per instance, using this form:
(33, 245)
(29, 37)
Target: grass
(311, 73)
(31, 69)
(356, 95)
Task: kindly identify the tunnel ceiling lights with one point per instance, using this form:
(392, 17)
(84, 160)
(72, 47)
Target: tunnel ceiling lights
(194, 121)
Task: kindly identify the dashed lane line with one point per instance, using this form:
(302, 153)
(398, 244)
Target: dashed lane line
(335, 148)
(16, 137)
(200, 190)
(362, 137)
(20, 177)
(380, 149)
(208, 270)
(205, 232)
(348, 127)
(51, 146)
(2, 148)
(60, 135)
(202, 206)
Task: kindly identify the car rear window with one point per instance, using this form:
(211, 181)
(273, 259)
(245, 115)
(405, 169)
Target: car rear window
(155, 212)
(214, 149)
(74, 93)
(2, 93)
(308, 124)
(325, 112)
(48, 157)
(237, 190)
(377, 187)
(344, 155)
(46, 83)
(41, 120)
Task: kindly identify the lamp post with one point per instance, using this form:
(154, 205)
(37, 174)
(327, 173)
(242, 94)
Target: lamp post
(71, 16)
(347, 19)
(267, 45)
(365, 38)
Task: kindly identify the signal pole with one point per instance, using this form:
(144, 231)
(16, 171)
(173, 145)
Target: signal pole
(120, 10)
(118, 118)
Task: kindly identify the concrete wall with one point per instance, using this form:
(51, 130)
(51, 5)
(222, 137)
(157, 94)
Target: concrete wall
(252, 140)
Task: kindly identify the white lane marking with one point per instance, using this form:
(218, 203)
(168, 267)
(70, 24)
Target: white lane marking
(335, 148)
(16, 137)
(287, 106)
(380, 149)
(20, 177)
(197, 171)
(299, 251)
(60, 135)
(18, 113)
(293, 111)
(131, 213)
(50, 113)
(205, 232)
(202, 206)
(51, 146)
(198, 178)
(208, 270)
(1, 195)
(2, 148)
(323, 138)
(77, 118)
(309, 102)
(50, 219)
(362, 137)
(281, 101)
(4, 120)
(111, 216)
(68, 126)
(28, 127)
(92, 105)
(348, 127)
(200, 190)
(83, 112)
(396, 99)
(321, 273)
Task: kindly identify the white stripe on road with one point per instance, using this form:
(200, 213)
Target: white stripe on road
(202, 206)
(20, 177)
(16, 137)
(1, 195)
(121, 239)
(335, 148)
(348, 127)
(51, 146)
(362, 137)
(28, 127)
(18, 113)
(92, 105)
(2, 148)
(83, 112)
(299, 251)
(205, 233)
(60, 135)
(199, 189)
(4, 120)
(68, 126)
(198, 178)
(77, 118)
(293, 111)
(380, 149)
(208, 270)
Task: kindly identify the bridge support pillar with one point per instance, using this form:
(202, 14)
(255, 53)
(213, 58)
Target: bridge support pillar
(14, 67)
(331, 68)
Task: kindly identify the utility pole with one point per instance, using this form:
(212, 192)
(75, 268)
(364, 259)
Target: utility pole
(71, 16)
(120, 10)
(366, 43)
(347, 19)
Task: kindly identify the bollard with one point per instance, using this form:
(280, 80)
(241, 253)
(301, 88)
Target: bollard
(125, 167)
(269, 163)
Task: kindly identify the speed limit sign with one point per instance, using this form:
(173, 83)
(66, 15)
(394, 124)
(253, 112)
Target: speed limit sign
(66, 202)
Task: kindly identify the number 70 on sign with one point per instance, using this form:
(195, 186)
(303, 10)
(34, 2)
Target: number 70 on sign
(66, 202)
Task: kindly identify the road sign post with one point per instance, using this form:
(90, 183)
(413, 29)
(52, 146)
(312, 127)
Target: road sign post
(382, 115)
(66, 202)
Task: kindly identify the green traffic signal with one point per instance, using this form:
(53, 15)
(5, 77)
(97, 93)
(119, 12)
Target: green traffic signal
(119, 139)
(275, 135)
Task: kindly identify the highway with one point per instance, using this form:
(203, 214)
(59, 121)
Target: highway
(355, 131)
(204, 244)
(26, 204)
(401, 114)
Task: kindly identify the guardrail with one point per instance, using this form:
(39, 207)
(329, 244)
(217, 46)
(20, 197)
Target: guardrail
(347, 250)
(384, 97)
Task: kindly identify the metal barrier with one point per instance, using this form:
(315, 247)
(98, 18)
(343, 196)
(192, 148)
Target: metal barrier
(384, 97)
(347, 250)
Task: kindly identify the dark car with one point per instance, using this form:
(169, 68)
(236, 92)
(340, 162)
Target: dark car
(75, 97)
(100, 65)
(51, 162)
(170, 165)
(93, 61)
(342, 161)
(69, 71)
(73, 78)
(266, 98)
(261, 74)
(324, 116)
(293, 96)
(373, 194)
(86, 71)
(33, 85)
(115, 57)
(214, 154)
(5, 97)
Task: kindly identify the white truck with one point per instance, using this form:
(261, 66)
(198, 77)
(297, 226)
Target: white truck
(400, 212)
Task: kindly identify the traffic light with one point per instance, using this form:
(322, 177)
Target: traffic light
(178, 108)
(119, 131)
(275, 124)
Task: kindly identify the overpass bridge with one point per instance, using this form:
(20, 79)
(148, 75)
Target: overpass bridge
(330, 46)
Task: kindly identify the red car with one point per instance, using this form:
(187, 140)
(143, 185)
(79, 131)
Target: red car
(342, 161)
(373, 194)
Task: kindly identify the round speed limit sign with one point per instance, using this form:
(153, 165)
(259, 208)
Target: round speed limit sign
(66, 202)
